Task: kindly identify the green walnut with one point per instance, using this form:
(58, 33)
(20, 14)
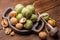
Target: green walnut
(28, 24)
(34, 17)
(19, 16)
(18, 8)
(46, 17)
(31, 8)
(26, 12)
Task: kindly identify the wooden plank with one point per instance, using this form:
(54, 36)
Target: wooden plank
(42, 6)
(11, 3)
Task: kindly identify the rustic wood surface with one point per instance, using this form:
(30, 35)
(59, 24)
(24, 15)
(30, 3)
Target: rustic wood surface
(54, 13)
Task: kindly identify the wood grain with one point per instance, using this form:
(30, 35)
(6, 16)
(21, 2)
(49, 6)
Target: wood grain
(54, 13)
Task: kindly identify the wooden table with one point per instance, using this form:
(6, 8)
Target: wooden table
(54, 13)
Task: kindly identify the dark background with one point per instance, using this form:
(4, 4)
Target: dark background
(54, 13)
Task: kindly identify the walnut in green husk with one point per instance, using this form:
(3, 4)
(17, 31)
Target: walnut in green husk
(31, 8)
(34, 17)
(26, 13)
(18, 8)
(28, 24)
(19, 16)
(46, 17)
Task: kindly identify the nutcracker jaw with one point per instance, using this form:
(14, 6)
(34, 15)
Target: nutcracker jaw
(53, 31)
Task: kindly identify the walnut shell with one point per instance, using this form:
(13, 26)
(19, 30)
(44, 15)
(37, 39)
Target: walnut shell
(43, 35)
(12, 33)
(19, 25)
(8, 30)
(4, 23)
(13, 21)
(23, 20)
(12, 14)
